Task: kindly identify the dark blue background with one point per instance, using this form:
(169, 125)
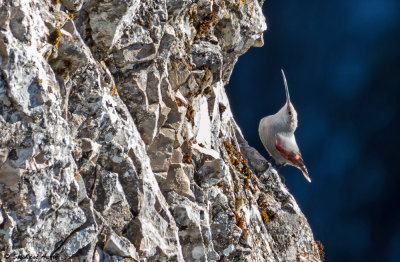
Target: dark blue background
(342, 62)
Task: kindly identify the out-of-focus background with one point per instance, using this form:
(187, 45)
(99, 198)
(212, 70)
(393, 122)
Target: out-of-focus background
(342, 62)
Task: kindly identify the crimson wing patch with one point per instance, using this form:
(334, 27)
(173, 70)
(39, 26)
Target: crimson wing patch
(294, 157)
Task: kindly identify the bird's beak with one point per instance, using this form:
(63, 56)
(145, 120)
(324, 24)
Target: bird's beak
(286, 87)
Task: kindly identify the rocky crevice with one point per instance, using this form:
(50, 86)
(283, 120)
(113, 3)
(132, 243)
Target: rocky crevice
(117, 141)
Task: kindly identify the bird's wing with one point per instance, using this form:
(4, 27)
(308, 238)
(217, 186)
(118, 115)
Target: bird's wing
(294, 156)
(288, 153)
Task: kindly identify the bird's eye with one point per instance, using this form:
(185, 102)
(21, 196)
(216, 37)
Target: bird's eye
(290, 113)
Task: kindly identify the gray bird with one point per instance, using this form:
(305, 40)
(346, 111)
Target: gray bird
(277, 135)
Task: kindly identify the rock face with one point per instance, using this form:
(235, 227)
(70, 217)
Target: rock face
(117, 141)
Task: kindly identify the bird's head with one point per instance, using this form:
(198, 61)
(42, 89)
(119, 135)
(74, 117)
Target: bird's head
(287, 113)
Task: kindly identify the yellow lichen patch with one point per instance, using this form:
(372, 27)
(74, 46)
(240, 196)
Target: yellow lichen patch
(246, 184)
(228, 147)
(76, 176)
(206, 23)
(56, 2)
(114, 90)
(262, 203)
(235, 162)
(55, 38)
(242, 2)
(238, 202)
(265, 216)
(40, 81)
(71, 15)
(245, 168)
(237, 159)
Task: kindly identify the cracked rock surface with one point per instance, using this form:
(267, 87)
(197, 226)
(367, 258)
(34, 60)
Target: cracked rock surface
(117, 142)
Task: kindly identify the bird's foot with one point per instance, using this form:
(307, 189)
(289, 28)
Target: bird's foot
(272, 163)
(264, 169)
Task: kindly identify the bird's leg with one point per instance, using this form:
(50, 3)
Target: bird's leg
(268, 163)
(275, 164)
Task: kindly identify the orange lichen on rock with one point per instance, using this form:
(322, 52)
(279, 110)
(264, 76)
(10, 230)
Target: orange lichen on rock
(321, 250)
(262, 203)
(206, 23)
(179, 102)
(55, 38)
(187, 158)
(237, 159)
(240, 221)
(265, 216)
(190, 113)
(114, 90)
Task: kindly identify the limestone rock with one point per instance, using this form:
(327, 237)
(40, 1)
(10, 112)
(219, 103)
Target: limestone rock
(120, 246)
(117, 141)
(177, 181)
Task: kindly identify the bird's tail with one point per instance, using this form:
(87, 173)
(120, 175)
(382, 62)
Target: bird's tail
(305, 172)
